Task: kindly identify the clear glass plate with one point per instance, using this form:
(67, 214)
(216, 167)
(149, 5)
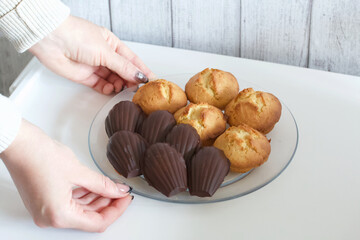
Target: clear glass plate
(284, 140)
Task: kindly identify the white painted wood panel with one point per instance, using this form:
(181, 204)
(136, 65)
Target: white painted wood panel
(276, 30)
(335, 36)
(322, 34)
(207, 25)
(11, 64)
(97, 11)
(142, 21)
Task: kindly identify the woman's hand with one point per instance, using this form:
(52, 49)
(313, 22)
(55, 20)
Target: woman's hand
(45, 173)
(86, 53)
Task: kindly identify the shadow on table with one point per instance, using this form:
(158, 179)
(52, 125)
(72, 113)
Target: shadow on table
(11, 205)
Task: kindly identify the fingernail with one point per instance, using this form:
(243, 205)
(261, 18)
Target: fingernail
(130, 189)
(123, 188)
(132, 197)
(141, 78)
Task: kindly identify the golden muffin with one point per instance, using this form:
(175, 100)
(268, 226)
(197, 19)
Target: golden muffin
(208, 120)
(212, 86)
(160, 95)
(259, 110)
(245, 147)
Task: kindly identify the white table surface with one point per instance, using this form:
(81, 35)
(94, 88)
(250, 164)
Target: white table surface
(316, 197)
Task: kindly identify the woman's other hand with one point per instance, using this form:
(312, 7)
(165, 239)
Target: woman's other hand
(91, 55)
(45, 173)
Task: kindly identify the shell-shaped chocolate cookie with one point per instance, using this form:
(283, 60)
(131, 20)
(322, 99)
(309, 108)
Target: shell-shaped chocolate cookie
(125, 115)
(140, 122)
(125, 150)
(185, 139)
(164, 168)
(157, 125)
(206, 171)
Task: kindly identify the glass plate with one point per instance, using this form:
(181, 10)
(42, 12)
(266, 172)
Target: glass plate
(284, 140)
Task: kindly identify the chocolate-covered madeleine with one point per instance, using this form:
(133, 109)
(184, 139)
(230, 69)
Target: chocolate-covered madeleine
(125, 150)
(164, 168)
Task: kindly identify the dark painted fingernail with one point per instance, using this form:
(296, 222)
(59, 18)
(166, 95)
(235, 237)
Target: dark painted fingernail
(132, 197)
(130, 189)
(141, 78)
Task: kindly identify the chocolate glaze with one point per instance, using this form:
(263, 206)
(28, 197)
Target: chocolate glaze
(125, 150)
(185, 139)
(140, 121)
(206, 171)
(125, 115)
(164, 168)
(157, 125)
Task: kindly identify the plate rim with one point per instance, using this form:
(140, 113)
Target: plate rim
(168, 200)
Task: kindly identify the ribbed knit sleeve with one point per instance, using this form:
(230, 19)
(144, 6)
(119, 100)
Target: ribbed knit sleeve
(25, 22)
(10, 120)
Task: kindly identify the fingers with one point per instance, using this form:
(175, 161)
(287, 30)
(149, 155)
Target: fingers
(104, 81)
(90, 201)
(100, 184)
(98, 204)
(88, 198)
(116, 209)
(137, 62)
(126, 52)
(99, 84)
(93, 221)
(123, 67)
(85, 75)
(79, 192)
(91, 76)
(117, 81)
(103, 72)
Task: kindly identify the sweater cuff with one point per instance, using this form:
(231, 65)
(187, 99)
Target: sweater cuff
(31, 20)
(10, 121)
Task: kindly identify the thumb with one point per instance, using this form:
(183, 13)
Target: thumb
(123, 67)
(100, 184)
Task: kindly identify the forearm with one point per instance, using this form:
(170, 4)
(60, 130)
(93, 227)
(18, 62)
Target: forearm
(25, 22)
(27, 140)
(10, 120)
(20, 158)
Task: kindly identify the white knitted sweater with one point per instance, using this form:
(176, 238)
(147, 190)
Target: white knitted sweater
(24, 23)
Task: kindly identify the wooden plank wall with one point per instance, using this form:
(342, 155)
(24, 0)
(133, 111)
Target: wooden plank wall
(210, 26)
(142, 21)
(94, 11)
(320, 34)
(11, 64)
(276, 31)
(335, 36)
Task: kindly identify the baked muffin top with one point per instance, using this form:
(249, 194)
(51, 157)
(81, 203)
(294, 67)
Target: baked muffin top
(212, 86)
(244, 146)
(259, 110)
(208, 120)
(160, 95)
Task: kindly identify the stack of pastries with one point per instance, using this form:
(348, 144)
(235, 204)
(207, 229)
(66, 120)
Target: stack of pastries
(179, 139)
